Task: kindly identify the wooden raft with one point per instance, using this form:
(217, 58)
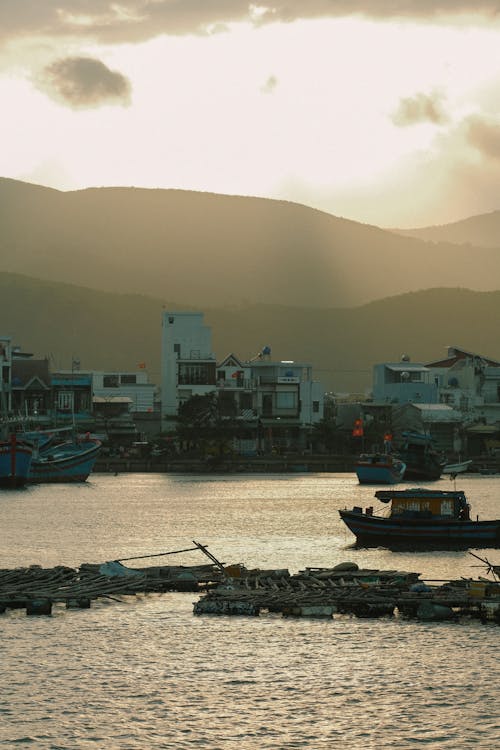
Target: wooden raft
(318, 592)
(37, 589)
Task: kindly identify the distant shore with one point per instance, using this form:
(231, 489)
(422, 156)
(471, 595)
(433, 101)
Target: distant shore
(257, 464)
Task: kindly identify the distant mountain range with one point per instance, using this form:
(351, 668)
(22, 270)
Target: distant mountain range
(87, 273)
(117, 331)
(479, 231)
(205, 250)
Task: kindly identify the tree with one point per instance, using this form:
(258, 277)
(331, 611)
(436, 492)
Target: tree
(204, 423)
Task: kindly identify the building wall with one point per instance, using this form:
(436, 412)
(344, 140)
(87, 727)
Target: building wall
(141, 393)
(404, 384)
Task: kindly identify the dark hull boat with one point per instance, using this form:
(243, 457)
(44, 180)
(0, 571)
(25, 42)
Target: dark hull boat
(422, 518)
(423, 462)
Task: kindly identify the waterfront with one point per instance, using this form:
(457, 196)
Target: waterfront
(147, 673)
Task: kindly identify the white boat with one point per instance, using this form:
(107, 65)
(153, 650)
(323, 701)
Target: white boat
(457, 468)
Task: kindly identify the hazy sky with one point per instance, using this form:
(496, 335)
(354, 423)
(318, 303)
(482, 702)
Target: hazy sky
(382, 111)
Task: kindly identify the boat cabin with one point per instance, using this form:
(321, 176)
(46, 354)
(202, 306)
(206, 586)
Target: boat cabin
(421, 503)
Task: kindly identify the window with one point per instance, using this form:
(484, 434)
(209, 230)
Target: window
(177, 349)
(110, 381)
(446, 508)
(65, 401)
(246, 401)
(128, 379)
(202, 374)
(316, 407)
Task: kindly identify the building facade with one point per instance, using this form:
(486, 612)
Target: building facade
(276, 402)
(456, 399)
(188, 366)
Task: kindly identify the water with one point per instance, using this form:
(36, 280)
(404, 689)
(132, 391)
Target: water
(146, 673)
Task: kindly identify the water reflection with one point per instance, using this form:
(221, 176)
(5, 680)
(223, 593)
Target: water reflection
(146, 673)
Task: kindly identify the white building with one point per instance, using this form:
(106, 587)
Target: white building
(404, 382)
(187, 362)
(470, 383)
(134, 387)
(286, 390)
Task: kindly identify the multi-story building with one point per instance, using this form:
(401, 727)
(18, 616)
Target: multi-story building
(404, 382)
(5, 375)
(469, 383)
(188, 366)
(132, 386)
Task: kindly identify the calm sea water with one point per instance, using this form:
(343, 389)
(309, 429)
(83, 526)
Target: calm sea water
(145, 673)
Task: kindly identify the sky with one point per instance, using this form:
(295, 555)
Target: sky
(385, 112)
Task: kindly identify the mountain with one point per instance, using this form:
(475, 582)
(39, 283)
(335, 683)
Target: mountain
(109, 331)
(480, 231)
(207, 250)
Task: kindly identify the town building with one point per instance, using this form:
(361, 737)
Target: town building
(5, 375)
(456, 399)
(404, 382)
(276, 402)
(134, 387)
(188, 366)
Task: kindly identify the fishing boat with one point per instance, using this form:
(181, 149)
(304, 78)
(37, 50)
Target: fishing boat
(15, 462)
(425, 518)
(379, 468)
(423, 462)
(70, 461)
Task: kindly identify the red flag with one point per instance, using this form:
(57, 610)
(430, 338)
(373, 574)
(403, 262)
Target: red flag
(358, 428)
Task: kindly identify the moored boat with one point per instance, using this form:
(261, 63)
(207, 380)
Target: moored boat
(423, 462)
(379, 468)
(71, 461)
(457, 468)
(433, 519)
(15, 462)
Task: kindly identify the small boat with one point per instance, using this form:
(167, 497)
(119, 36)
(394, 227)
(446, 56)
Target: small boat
(15, 462)
(423, 462)
(421, 518)
(456, 468)
(71, 461)
(379, 468)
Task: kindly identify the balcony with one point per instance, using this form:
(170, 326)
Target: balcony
(246, 384)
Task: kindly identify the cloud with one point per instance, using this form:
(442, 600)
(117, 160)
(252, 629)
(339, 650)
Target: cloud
(420, 108)
(84, 82)
(270, 85)
(484, 135)
(134, 20)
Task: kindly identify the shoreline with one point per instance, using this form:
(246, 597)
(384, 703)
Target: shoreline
(255, 464)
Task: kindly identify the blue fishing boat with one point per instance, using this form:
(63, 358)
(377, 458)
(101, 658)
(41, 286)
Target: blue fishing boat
(15, 462)
(379, 468)
(70, 461)
(421, 518)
